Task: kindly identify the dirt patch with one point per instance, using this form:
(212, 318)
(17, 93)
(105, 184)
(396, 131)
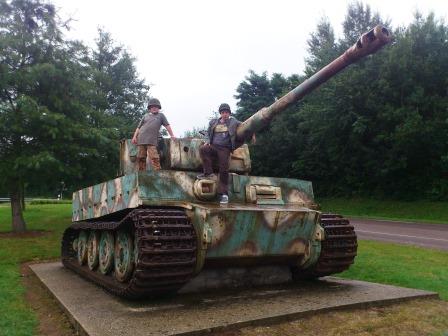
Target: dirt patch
(52, 320)
(416, 317)
(26, 234)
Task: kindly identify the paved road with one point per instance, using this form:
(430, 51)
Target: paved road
(426, 235)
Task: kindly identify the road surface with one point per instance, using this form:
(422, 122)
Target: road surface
(425, 235)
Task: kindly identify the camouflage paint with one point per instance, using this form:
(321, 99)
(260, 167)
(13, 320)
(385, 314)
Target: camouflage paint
(106, 198)
(259, 231)
(180, 154)
(240, 229)
(168, 187)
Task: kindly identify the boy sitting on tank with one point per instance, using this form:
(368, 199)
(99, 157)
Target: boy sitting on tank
(147, 133)
(221, 143)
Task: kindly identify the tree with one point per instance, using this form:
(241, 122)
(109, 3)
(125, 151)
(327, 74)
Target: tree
(271, 153)
(379, 128)
(358, 20)
(29, 39)
(252, 94)
(117, 101)
(120, 93)
(52, 128)
(321, 47)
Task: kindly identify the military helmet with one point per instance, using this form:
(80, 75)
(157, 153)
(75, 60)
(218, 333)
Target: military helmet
(224, 107)
(154, 102)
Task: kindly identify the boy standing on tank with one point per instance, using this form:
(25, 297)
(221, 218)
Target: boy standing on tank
(147, 133)
(222, 141)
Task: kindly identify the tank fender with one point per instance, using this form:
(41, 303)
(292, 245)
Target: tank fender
(319, 233)
(203, 233)
(206, 236)
(312, 253)
(313, 249)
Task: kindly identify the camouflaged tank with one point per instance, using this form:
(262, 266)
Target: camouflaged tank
(149, 233)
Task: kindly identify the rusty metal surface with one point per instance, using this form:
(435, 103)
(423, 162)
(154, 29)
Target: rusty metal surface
(166, 245)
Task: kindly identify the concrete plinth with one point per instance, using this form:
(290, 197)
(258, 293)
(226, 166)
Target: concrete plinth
(94, 312)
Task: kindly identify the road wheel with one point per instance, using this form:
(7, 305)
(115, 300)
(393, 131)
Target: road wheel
(93, 250)
(106, 252)
(124, 256)
(82, 247)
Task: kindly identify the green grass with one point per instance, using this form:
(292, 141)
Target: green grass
(424, 211)
(379, 262)
(16, 318)
(401, 265)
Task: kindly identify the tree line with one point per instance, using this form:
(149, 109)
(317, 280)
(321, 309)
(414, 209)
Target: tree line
(378, 129)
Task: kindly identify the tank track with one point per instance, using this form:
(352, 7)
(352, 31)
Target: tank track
(166, 247)
(338, 250)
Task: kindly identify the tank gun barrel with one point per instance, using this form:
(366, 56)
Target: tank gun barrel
(367, 44)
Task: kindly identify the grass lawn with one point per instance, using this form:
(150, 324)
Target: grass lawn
(424, 211)
(380, 262)
(16, 317)
(401, 265)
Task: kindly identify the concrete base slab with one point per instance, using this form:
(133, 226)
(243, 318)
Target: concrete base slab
(95, 312)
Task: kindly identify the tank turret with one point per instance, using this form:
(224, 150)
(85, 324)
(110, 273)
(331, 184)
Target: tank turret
(183, 154)
(148, 233)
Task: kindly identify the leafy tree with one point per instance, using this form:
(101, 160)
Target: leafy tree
(321, 47)
(270, 154)
(358, 20)
(52, 125)
(413, 119)
(30, 44)
(378, 128)
(120, 93)
(254, 93)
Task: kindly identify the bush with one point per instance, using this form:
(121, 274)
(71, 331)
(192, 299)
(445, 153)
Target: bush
(50, 201)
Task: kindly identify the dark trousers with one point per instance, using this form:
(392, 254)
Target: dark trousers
(222, 154)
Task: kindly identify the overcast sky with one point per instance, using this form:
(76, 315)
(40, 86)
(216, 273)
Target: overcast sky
(194, 53)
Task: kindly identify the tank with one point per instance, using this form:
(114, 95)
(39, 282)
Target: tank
(150, 233)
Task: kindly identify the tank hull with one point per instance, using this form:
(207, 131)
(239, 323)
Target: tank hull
(172, 236)
(176, 188)
(167, 251)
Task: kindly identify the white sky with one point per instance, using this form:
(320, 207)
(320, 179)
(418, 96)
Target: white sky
(194, 53)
